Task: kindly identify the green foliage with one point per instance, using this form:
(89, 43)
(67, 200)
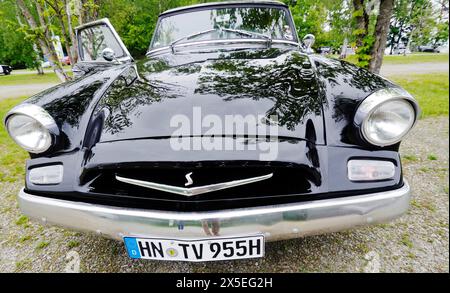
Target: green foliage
(331, 21)
(363, 52)
(419, 22)
(15, 49)
(367, 36)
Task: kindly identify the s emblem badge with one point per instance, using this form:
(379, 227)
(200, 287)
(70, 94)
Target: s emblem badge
(189, 179)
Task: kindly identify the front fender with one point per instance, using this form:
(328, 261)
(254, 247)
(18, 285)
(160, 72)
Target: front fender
(71, 105)
(345, 86)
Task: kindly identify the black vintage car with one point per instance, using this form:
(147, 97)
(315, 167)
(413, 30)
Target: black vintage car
(230, 133)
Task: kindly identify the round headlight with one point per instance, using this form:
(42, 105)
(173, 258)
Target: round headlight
(31, 127)
(386, 116)
(29, 133)
(389, 122)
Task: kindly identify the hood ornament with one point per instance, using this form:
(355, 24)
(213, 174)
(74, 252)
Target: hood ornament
(189, 179)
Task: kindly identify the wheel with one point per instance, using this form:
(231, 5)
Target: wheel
(7, 72)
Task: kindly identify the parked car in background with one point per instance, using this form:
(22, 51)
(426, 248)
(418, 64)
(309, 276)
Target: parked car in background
(428, 49)
(442, 48)
(228, 134)
(45, 63)
(65, 60)
(324, 50)
(401, 49)
(349, 51)
(5, 69)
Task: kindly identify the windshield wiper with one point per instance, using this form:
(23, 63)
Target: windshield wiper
(241, 32)
(248, 33)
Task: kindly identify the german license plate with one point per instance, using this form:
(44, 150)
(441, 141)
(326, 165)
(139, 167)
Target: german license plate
(213, 249)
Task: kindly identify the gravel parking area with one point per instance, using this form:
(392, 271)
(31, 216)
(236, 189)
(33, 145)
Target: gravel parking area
(417, 242)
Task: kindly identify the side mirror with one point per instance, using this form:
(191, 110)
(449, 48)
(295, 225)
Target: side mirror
(108, 54)
(308, 41)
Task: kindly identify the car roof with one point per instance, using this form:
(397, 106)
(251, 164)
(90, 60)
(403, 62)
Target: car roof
(212, 4)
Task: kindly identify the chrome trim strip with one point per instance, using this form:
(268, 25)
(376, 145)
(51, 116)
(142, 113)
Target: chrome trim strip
(194, 190)
(212, 4)
(221, 42)
(34, 111)
(276, 222)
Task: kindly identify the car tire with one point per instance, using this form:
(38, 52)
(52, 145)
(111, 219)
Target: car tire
(7, 72)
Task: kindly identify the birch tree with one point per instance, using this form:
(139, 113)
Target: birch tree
(39, 28)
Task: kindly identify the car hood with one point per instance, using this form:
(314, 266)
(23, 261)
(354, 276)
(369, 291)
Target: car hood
(204, 93)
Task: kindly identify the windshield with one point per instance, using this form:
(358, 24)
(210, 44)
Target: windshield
(218, 23)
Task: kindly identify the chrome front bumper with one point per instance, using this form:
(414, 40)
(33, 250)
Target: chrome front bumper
(275, 222)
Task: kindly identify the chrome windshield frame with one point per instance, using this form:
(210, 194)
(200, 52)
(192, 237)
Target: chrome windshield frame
(221, 42)
(244, 4)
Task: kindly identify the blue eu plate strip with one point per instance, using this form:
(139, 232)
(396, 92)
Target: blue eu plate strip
(132, 247)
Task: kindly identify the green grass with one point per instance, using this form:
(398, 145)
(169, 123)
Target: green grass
(73, 243)
(424, 205)
(12, 157)
(432, 157)
(411, 158)
(24, 264)
(33, 70)
(430, 90)
(408, 59)
(19, 79)
(406, 240)
(416, 58)
(25, 238)
(42, 244)
(22, 221)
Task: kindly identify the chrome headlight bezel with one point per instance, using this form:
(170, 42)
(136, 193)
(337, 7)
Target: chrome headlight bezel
(40, 116)
(376, 100)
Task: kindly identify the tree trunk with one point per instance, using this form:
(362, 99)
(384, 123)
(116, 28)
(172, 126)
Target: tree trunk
(40, 70)
(59, 11)
(381, 33)
(400, 32)
(392, 39)
(362, 22)
(343, 54)
(52, 55)
(46, 42)
(73, 39)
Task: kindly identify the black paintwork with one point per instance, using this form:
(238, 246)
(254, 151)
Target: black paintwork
(115, 119)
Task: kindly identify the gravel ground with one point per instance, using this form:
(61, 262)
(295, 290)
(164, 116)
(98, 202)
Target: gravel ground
(417, 242)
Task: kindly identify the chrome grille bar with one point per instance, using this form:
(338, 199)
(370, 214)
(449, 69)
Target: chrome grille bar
(194, 190)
